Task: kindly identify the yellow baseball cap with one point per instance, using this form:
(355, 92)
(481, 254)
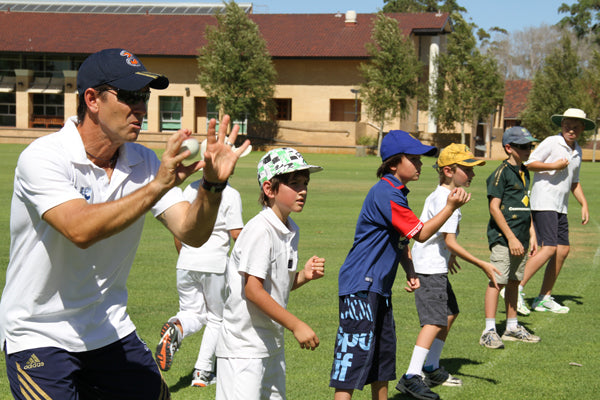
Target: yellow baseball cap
(456, 153)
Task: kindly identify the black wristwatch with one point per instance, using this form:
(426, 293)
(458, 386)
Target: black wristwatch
(213, 187)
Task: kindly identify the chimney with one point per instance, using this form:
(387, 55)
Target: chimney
(351, 18)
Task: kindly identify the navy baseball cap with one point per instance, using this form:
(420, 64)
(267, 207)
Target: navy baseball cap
(118, 68)
(397, 142)
(517, 135)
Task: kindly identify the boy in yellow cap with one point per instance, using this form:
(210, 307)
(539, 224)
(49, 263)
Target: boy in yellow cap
(435, 300)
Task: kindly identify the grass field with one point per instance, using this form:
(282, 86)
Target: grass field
(520, 371)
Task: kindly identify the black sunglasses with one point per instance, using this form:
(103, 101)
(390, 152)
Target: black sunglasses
(525, 146)
(129, 97)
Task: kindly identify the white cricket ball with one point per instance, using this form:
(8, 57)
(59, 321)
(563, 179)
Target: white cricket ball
(192, 145)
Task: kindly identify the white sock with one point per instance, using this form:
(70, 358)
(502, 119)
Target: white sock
(511, 324)
(416, 361)
(490, 324)
(432, 361)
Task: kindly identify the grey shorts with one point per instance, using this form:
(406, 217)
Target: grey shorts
(551, 228)
(435, 299)
(512, 267)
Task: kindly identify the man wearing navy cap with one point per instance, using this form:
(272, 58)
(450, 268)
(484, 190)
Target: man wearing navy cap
(77, 213)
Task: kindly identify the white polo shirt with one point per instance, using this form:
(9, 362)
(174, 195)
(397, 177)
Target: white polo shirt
(431, 256)
(212, 256)
(267, 249)
(57, 294)
(550, 189)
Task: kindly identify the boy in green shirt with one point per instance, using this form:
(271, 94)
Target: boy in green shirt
(510, 233)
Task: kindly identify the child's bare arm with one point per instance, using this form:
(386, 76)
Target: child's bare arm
(533, 246)
(412, 281)
(313, 269)
(515, 246)
(459, 251)
(456, 198)
(256, 293)
(539, 166)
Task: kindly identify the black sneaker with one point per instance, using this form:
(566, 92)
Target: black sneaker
(416, 388)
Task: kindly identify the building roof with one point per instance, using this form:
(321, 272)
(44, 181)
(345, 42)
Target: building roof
(287, 35)
(515, 97)
(115, 8)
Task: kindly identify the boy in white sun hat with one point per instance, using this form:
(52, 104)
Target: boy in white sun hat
(261, 272)
(556, 162)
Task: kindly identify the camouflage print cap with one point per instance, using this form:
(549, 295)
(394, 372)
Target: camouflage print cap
(282, 161)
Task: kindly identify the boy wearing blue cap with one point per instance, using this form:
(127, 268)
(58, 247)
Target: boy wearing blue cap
(262, 270)
(510, 233)
(77, 213)
(365, 349)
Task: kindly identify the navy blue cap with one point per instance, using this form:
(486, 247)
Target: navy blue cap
(517, 135)
(397, 142)
(118, 68)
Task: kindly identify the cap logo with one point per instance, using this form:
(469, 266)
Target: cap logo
(130, 58)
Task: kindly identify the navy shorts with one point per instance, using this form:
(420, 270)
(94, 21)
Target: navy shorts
(365, 348)
(122, 370)
(435, 299)
(551, 228)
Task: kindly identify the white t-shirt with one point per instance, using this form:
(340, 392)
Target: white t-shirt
(550, 189)
(57, 294)
(431, 256)
(212, 256)
(267, 249)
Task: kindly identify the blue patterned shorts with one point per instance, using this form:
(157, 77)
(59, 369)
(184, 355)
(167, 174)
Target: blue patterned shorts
(365, 348)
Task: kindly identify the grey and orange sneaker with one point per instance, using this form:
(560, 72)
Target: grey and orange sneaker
(170, 341)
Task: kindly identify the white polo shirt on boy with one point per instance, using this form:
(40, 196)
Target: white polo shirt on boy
(550, 189)
(431, 256)
(267, 249)
(68, 297)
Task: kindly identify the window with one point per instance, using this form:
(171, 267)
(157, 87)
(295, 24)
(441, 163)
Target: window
(48, 110)
(8, 109)
(284, 109)
(344, 110)
(170, 112)
(213, 112)
(49, 105)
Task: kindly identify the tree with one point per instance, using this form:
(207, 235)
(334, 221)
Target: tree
(556, 87)
(520, 54)
(583, 18)
(391, 76)
(236, 70)
(468, 85)
(416, 6)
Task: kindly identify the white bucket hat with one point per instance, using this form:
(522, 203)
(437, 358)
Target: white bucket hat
(575, 113)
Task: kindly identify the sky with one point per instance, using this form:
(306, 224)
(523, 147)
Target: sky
(512, 15)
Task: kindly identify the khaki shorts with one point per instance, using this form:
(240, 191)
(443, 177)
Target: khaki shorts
(512, 267)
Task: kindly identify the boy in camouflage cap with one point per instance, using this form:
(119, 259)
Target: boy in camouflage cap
(261, 272)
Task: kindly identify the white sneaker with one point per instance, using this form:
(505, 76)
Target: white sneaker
(203, 378)
(520, 334)
(539, 304)
(521, 305)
